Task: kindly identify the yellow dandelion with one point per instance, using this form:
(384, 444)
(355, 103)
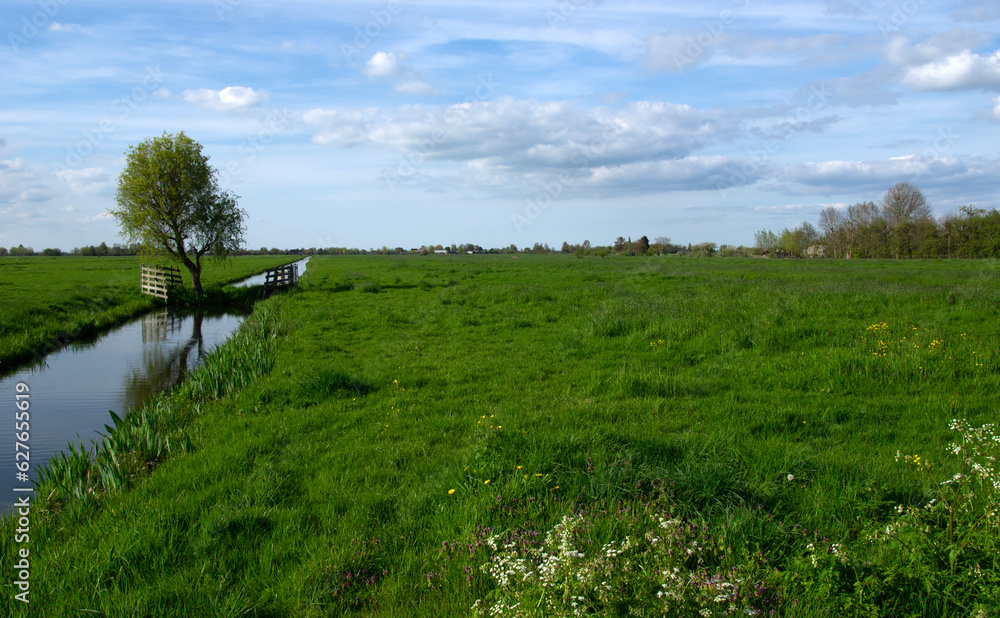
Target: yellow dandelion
(486, 482)
(519, 467)
(451, 491)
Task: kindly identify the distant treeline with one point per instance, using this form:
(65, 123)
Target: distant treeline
(901, 225)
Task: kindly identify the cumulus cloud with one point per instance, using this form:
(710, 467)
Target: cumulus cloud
(382, 64)
(340, 128)
(509, 142)
(22, 188)
(228, 100)
(903, 53)
(88, 180)
(386, 65)
(962, 71)
(946, 62)
(526, 133)
(831, 177)
(687, 174)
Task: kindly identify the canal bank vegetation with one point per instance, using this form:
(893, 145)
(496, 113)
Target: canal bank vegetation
(51, 302)
(552, 436)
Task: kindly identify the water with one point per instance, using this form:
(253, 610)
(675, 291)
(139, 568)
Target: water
(259, 279)
(72, 389)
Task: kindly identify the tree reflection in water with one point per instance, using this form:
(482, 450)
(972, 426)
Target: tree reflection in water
(167, 356)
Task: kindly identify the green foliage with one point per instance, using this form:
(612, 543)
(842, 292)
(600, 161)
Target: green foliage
(169, 201)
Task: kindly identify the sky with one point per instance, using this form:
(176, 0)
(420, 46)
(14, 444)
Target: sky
(406, 123)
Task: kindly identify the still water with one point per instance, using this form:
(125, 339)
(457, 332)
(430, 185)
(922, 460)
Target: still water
(72, 389)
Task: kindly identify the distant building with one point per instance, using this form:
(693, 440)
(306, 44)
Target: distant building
(441, 251)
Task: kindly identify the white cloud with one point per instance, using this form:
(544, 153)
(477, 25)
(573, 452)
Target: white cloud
(15, 178)
(848, 177)
(676, 51)
(961, 71)
(416, 87)
(340, 128)
(687, 174)
(229, 99)
(88, 180)
(996, 108)
(389, 66)
(527, 134)
(58, 27)
(507, 143)
(382, 64)
(945, 62)
(161, 93)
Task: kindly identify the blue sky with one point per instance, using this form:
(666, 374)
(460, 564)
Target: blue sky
(407, 123)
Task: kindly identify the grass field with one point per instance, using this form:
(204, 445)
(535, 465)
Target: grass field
(550, 435)
(48, 301)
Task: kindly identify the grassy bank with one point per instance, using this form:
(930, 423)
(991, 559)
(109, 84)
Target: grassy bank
(429, 435)
(49, 301)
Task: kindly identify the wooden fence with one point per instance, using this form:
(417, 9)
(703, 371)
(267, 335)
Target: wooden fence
(157, 280)
(282, 276)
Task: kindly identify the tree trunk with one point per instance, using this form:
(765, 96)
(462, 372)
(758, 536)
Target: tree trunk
(195, 277)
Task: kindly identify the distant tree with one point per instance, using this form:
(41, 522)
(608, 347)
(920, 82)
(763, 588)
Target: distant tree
(51, 252)
(904, 203)
(3, 251)
(833, 226)
(705, 249)
(765, 239)
(169, 200)
(21, 251)
(641, 246)
(619, 245)
(904, 210)
(566, 248)
(661, 240)
(586, 245)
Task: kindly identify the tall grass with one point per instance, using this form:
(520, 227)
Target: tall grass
(408, 448)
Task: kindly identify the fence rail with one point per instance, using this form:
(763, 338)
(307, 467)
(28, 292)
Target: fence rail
(282, 276)
(157, 280)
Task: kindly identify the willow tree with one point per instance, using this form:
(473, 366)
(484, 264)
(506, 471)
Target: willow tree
(169, 200)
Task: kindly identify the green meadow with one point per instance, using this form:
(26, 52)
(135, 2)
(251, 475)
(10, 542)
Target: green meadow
(548, 436)
(48, 301)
